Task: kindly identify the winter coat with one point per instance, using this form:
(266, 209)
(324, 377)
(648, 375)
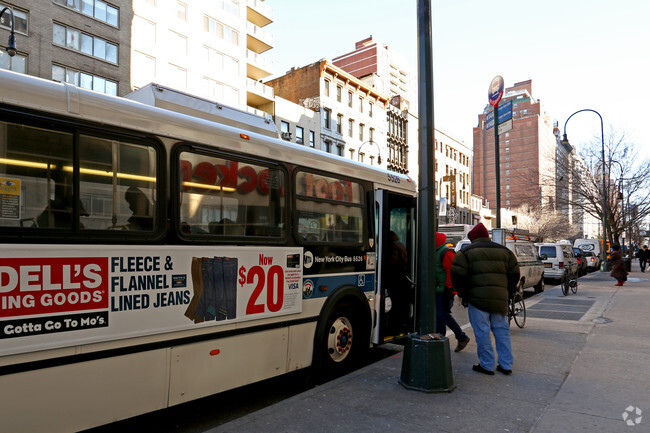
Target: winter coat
(485, 273)
(618, 266)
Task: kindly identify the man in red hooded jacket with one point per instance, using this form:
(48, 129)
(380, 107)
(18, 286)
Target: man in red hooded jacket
(445, 295)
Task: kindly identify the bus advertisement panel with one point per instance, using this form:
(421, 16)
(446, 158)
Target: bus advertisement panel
(85, 297)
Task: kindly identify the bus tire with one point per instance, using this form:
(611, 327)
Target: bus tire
(341, 344)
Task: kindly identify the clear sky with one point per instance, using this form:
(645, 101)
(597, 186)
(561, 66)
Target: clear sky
(580, 54)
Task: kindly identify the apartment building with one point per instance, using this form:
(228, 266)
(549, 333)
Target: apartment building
(352, 114)
(453, 182)
(216, 50)
(386, 71)
(527, 154)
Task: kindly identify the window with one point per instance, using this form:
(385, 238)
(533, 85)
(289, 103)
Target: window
(350, 99)
(178, 76)
(361, 126)
(20, 20)
(360, 104)
(371, 134)
(327, 114)
(47, 189)
(350, 127)
(220, 65)
(339, 89)
(220, 91)
(329, 210)
(326, 87)
(84, 80)
(85, 43)
(220, 30)
(146, 67)
(97, 9)
(312, 139)
(370, 106)
(300, 135)
(17, 63)
(181, 11)
(230, 6)
(230, 206)
(177, 44)
(339, 123)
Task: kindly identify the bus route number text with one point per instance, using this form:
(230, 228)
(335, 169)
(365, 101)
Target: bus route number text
(393, 178)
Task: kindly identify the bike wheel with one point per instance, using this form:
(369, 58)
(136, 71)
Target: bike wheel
(518, 308)
(564, 283)
(574, 285)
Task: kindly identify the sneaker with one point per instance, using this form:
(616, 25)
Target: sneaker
(503, 370)
(479, 368)
(461, 345)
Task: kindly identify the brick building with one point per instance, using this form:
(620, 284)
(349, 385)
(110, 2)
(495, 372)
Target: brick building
(527, 154)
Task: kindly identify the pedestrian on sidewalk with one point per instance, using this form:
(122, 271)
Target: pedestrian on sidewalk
(643, 256)
(445, 294)
(485, 274)
(618, 266)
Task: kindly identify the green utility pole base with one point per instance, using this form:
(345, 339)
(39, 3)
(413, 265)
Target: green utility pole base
(426, 365)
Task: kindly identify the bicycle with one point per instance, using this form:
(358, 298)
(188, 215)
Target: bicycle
(517, 307)
(568, 282)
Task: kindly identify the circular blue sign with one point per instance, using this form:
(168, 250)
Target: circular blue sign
(495, 91)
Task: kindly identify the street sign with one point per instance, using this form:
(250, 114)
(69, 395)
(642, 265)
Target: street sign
(504, 112)
(504, 127)
(495, 92)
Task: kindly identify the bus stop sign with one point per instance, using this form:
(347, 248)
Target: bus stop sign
(495, 92)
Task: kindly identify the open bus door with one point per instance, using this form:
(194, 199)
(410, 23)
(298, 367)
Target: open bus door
(395, 221)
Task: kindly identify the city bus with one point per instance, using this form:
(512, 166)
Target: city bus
(150, 257)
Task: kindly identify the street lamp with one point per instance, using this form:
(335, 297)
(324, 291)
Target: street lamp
(378, 150)
(565, 141)
(11, 45)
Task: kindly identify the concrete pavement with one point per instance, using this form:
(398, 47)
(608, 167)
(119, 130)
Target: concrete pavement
(581, 364)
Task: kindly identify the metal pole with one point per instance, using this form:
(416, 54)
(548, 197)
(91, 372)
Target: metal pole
(426, 363)
(602, 140)
(497, 169)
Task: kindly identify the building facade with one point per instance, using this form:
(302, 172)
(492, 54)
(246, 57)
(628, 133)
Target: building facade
(116, 47)
(527, 154)
(453, 181)
(352, 114)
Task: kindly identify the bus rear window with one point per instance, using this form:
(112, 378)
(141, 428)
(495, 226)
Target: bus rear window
(37, 178)
(329, 209)
(226, 197)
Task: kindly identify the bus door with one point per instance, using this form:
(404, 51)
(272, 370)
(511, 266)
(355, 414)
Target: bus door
(395, 221)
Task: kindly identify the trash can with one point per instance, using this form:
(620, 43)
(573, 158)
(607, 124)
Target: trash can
(628, 263)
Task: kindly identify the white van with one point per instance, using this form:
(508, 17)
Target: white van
(531, 268)
(592, 245)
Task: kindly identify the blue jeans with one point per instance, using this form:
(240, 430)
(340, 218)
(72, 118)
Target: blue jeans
(444, 318)
(482, 322)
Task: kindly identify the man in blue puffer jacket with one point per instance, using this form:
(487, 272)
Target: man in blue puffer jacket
(485, 274)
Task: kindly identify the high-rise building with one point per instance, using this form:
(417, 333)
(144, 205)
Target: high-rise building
(527, 154)
(215, 49)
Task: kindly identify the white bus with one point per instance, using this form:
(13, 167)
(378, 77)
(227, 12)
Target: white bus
(149, 258)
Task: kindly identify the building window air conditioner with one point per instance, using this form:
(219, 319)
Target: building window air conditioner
(286, 136)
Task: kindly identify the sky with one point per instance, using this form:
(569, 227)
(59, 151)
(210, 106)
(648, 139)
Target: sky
(579, 54)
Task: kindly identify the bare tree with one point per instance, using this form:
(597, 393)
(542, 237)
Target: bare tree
(549, 225)
(627, 183)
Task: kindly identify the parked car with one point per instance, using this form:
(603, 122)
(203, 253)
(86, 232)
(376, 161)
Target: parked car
(531, 268)
(557, 259)
(582, 262)
(593, 262)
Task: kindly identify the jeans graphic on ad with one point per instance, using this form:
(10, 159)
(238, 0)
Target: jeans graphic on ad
(215, 289)
(196, 308)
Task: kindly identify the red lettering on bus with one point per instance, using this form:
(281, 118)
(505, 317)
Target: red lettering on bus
(322, 188)
(263, 181)
(205, 173)
(228, 174)
(250, 179)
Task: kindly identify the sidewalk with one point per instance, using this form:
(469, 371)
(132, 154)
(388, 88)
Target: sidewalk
(580, 361)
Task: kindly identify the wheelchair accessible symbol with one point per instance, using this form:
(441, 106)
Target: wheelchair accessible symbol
(362, 281)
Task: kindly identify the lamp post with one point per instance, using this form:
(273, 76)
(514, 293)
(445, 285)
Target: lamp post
(11, 45)
(378, 150)
(565, 141)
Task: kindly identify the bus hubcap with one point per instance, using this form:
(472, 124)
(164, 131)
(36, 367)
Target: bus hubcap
(340, 339)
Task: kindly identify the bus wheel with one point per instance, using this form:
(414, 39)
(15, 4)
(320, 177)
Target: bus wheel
(341, 343)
